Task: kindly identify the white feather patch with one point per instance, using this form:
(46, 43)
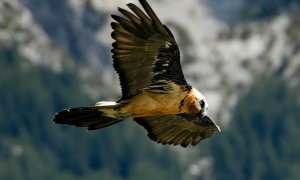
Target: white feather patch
(106, 103)
(198, 94)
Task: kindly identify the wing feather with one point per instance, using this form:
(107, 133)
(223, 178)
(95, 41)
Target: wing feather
(145, 52)
(181, 129)
(146, 21)
(157, 22)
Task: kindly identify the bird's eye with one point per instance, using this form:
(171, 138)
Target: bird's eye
(202, 103)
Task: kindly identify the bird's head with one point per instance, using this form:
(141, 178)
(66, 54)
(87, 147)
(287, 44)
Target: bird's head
(201, 102)
(204, 107)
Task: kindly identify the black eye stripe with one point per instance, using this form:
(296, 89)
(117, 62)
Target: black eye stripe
(202, 103)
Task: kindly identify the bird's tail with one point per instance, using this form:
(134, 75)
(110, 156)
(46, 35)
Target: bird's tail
(94, 117)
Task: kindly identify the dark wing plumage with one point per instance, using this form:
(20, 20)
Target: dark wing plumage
(145, 53)
(90, 117)
(183, 129)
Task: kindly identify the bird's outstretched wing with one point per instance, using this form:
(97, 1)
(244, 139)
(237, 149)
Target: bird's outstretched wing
(145, 53)
(183, 129)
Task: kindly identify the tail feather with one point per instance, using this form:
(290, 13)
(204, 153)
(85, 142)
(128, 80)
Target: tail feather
(90, 117)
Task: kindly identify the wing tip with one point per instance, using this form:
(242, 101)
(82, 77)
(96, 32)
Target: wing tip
(115, 17)
(130, 5)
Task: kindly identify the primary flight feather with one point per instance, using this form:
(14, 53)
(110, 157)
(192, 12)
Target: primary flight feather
(154, 91)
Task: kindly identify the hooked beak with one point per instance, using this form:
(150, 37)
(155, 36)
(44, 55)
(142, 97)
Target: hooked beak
(218, 128)
(214, 127)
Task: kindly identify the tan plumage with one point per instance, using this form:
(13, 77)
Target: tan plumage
(154, 90)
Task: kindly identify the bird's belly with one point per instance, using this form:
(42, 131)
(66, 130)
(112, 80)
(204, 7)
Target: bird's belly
(150, 104)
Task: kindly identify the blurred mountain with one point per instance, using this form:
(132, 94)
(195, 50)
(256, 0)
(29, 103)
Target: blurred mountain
(262, 140)
(18, 30)
(57, 52)
(263, 9)
(250, 10)
(72, 28)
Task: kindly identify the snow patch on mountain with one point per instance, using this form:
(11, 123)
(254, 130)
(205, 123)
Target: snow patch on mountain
(19, 30)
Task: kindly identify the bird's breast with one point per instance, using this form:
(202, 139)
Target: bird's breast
(177, 101)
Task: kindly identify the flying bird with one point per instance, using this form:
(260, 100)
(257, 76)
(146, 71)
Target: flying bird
(154, 91)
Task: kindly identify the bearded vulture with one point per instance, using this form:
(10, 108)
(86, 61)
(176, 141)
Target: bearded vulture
(155, 93)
